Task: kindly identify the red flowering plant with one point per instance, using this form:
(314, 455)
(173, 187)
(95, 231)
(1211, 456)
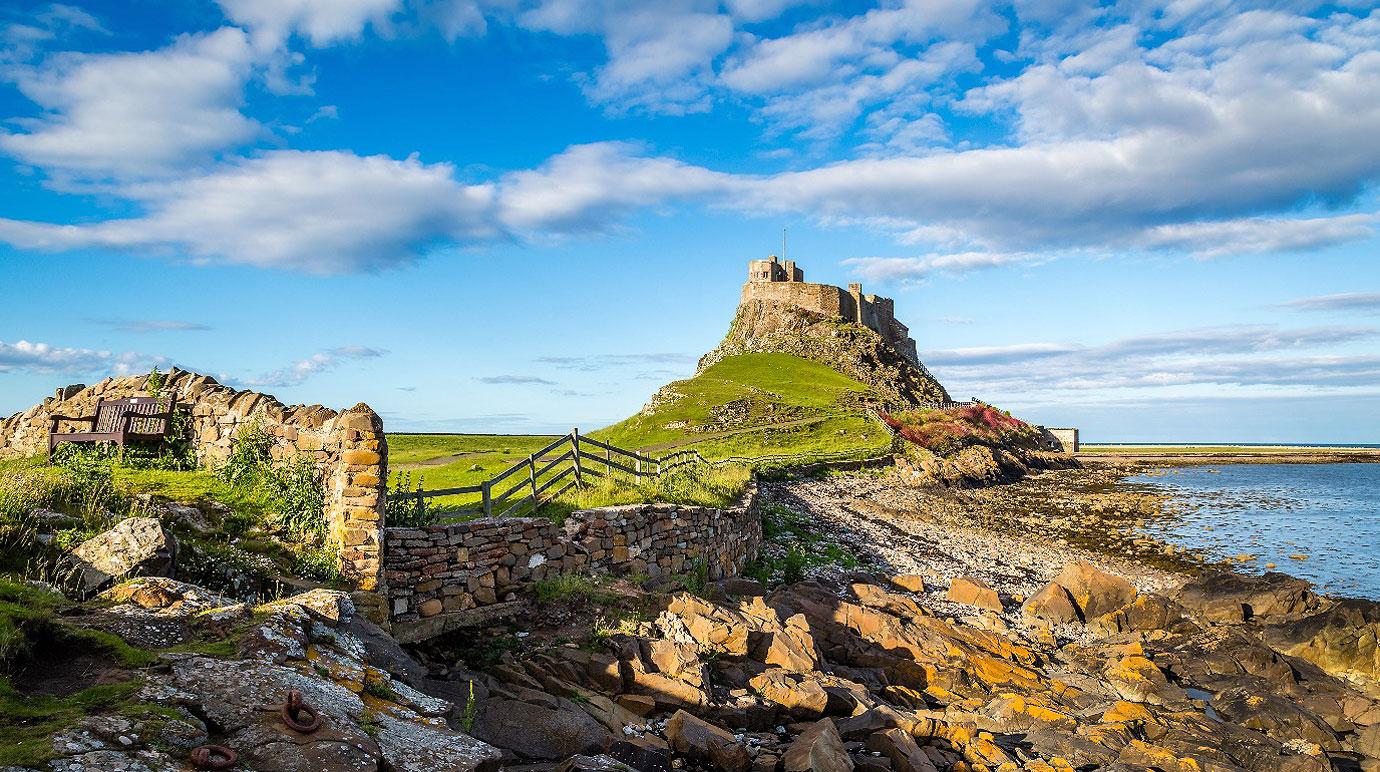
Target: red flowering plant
(944, 431)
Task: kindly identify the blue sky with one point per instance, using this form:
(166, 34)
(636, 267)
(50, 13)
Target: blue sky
(1156, 221)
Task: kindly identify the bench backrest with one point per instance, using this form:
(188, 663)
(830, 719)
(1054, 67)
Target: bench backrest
(110, 415)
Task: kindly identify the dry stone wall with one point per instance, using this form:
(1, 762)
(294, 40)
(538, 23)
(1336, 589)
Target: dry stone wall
(348, 447)
(445, 576)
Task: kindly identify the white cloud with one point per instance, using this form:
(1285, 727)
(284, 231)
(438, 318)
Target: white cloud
(659, 55)
(1259, 234)
(153, 325)
(323, 212)
(917, 268)
(1364, 302)
(25, 356)
(21, 41)
(1245, 357)
(320, 21)
(587, 187)
(299, 371)
(136, 114)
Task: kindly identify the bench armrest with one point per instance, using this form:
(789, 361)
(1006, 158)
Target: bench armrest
(53, 419)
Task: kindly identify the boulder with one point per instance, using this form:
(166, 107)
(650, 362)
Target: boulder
(136, 546)
(909, 582)
(1147, 612)
(1052, 603)
(898, 746)
(972, 591)
(1095, 591)
(536, 731)
(1344, 641)
(1230, 597)
(801, 695)
(1279, 717)
(818, 749)
(706, 743)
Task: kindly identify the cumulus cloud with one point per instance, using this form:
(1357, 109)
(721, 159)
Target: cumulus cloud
(659, 55)
(1259, 234)
(26, 356)
(320, 21)
(587, 187)
(135, 114)
(322, 361)
(1363, 302)
(321, 212)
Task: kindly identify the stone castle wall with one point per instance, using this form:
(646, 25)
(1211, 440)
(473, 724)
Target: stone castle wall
(445, 576)
(871, 311)
(348, 447)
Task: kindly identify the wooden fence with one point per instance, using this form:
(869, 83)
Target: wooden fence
(566, 463)
(570, 460)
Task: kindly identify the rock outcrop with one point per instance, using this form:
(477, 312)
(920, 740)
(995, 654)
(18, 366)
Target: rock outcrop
(136, 546)
(762, 326)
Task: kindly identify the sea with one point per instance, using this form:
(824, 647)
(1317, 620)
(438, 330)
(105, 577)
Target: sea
(1316, 521)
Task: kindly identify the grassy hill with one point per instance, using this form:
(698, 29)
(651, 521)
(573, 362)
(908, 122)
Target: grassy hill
(754, 405)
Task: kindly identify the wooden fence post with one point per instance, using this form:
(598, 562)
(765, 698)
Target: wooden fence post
(637, 465)
(488, 503)
(532, 478)
(575, 446)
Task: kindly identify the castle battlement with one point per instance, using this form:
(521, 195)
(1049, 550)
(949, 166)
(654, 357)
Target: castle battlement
(775, 281)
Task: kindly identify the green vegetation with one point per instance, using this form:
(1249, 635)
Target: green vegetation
(436, 461)
(792, 545)
(567, 586)
(712, 486)
(30, 630)
(949, 430)
(756, 405)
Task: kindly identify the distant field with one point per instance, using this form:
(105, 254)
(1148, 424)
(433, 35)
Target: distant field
(456, 460)
(1217, 450)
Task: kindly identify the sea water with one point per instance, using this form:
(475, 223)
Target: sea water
(1317, 521)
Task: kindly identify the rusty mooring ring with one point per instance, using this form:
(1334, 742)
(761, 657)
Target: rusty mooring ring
(292, 711)
(214, 757)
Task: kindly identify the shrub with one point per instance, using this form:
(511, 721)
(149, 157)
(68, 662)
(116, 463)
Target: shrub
(946, 431)
(292, 487)
(407, 513)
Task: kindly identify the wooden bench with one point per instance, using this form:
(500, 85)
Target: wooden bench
(133, 419)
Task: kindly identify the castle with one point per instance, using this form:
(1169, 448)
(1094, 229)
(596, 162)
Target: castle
(774, 281)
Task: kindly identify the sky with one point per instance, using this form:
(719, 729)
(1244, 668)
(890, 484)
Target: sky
(1156, 221)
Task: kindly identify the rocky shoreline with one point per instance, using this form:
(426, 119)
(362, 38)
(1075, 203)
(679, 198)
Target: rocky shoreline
(1025, 626)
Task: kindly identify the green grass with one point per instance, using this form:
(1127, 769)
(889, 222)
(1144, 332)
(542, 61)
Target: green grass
(787, 405)
(407, 450)
(412, 460)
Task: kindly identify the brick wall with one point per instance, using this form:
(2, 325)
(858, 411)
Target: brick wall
(445, 576)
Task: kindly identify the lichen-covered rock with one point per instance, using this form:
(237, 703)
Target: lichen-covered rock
(1096, 592)
(1344, 641)
(136, 546)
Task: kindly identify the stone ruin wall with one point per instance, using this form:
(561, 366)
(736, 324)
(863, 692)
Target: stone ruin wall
(445, 576)
(348, 447)
(1062, 440)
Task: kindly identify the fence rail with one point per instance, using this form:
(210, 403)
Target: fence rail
(575, 457)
